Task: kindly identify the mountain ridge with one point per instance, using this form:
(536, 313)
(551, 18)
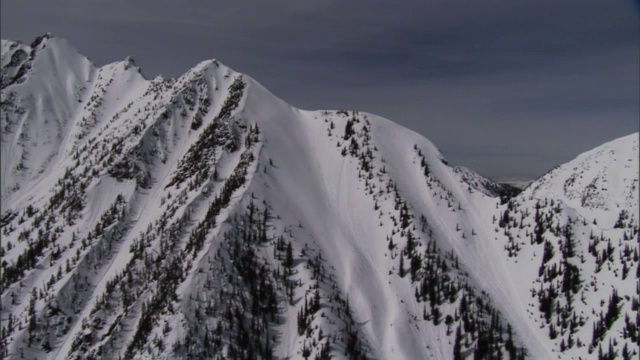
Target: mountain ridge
(258, 213)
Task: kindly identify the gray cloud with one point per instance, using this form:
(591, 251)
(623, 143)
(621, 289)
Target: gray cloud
(506, 88)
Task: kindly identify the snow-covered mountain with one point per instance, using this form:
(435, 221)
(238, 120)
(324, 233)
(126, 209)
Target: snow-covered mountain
(203, 217)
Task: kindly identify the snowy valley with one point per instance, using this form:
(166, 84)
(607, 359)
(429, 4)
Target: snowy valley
(202, 217)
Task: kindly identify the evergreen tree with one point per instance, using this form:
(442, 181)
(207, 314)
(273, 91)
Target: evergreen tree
(457, 345)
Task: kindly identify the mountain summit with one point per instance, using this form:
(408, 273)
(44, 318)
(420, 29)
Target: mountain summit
(203, 217)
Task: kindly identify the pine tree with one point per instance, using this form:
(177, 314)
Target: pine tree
(625, 353)
(289, 256)
(457, 345)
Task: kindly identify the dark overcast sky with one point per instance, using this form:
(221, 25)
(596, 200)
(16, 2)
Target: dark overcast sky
(508, 88)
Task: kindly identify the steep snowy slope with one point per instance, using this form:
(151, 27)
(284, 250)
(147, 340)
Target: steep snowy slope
(572, 241)
(50, 104)
(600, 183)
(203, 217)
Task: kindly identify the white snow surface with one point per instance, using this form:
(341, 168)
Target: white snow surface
(66, 116)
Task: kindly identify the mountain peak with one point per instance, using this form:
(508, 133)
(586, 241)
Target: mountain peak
(600, 182)
(129, 62)
(40, 40)
(203, 217)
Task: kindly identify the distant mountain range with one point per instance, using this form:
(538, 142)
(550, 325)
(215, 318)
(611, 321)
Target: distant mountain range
(202, 217)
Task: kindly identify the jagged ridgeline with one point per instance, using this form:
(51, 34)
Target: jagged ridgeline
(204, 218)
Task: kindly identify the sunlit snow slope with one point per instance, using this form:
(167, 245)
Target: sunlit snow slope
(203, 217)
